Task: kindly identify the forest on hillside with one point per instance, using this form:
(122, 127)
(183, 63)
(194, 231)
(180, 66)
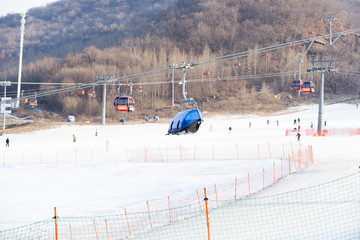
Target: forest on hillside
(72, 41)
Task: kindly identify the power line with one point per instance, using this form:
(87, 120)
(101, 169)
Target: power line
(168, 70)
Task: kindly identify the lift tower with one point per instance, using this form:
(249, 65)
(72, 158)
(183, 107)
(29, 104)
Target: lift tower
(322, 67)
(329, 18)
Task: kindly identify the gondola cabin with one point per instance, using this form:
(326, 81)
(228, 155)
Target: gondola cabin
(138, 88)
(127, 86)
(206, 73)
(124, 104)
(297, 47)
(25, 100)
(186, 121)
(348, 27)
(310, 32)
(296, 85)
(318, 34)
(338, 24)
(91, 93)
(274, 58)
(216, 77)
(81, 91)
(33, 102)
(246, 69)
(264, 54)
(179, 84)
(170, 80)
(308, 87)
(237, 64)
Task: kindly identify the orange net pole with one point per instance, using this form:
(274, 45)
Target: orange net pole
(147, 203)
(169, 208)
(70, 232)
(289, 164)
(269, 150)
(207, 213)
(107, 229)
(274, 170)
(283, 150)
(56, 227)
(127, 220)
(97, 237)
(217, 201)
(235, 187)
(263, 178)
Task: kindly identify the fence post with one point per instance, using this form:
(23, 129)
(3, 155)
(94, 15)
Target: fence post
(56, 227)
(107, 230)
(235, 187)
(127, 220)
(207, 213)
(263, 178)
(169, 208)
(258, 151)
(147, 202)
(162, 159)
(274, 170)
(97, 238)
(70, 231)
(217, 201)
(269, 150)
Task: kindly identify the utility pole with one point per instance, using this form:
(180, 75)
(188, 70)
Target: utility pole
(22, 29)
(329, 18)
(321, 67)
(4, 84)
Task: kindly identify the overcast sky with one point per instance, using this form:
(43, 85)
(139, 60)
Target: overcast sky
(18, 6)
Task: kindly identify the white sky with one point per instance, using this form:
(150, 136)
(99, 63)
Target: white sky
(18, 6)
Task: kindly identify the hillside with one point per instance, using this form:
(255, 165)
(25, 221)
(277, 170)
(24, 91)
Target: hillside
(72, 41)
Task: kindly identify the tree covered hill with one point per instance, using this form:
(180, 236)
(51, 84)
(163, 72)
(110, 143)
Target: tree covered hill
(71, 41)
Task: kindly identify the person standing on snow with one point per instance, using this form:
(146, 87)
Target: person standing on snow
(74, 138)
(7, 142)
(298, 135)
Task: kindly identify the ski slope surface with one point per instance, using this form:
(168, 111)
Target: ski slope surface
(105, 173)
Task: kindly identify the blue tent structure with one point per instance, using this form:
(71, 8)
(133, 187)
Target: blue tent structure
(186, 121)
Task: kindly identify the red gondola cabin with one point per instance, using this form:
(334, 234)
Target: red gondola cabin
(124, 104)
(296, 85)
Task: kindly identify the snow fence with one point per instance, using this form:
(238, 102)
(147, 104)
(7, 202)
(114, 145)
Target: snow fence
(327, 211)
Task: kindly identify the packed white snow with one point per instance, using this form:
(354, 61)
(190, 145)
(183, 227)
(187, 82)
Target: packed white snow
(126, 165)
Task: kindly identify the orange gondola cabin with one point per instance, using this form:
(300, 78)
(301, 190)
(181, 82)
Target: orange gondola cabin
(308, 87)
(124, 104)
